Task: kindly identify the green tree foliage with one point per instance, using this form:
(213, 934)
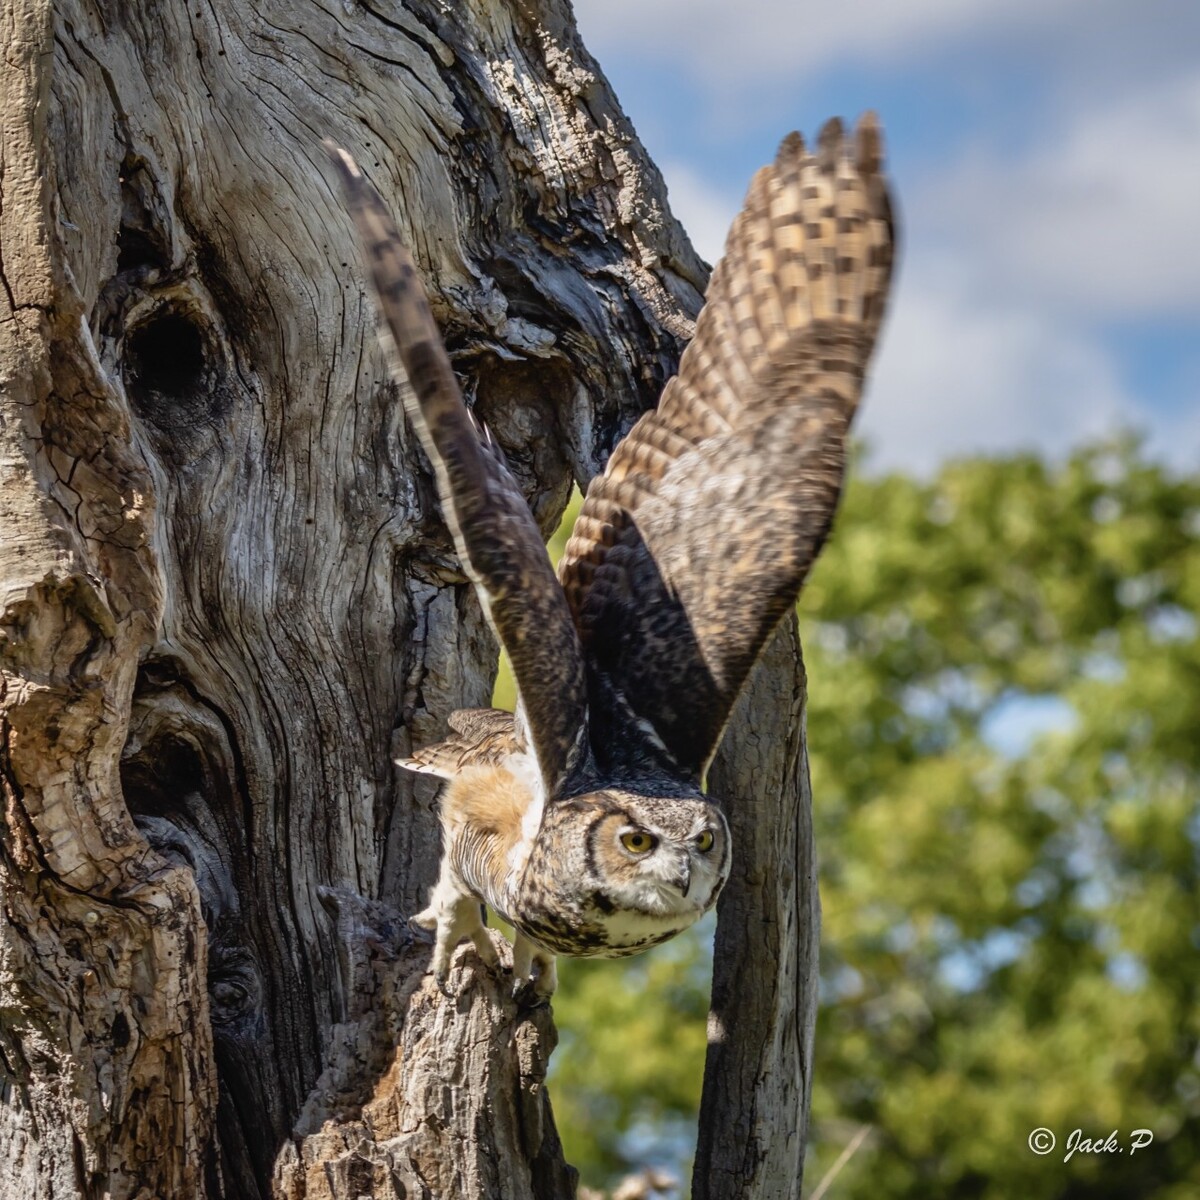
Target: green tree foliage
(1010, 921)
(625, 1079)
(1004, 731)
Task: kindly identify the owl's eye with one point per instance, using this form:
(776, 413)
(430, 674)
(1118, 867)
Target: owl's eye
(637, 842)
(704, 843)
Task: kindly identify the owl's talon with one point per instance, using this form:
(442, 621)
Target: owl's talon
(532, 967)
(421, 930)
(527, 996)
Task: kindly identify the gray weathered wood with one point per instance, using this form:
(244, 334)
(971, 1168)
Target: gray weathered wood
(758, 1073)
(226, 596)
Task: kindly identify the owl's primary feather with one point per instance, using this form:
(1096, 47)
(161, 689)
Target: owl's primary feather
(583, 822)
(697, 537)
(493, 530)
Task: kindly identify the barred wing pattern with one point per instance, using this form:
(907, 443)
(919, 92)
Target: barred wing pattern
(478, 737)
(494, 531)
(698, 536)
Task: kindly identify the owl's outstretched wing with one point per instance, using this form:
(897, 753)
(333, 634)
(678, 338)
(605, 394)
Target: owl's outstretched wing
(698, 536)
(494, 532)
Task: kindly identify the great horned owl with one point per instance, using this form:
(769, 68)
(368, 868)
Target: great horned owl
(582, 819)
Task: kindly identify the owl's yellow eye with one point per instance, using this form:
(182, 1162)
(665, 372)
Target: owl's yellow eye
(637, 843)
(704, 843)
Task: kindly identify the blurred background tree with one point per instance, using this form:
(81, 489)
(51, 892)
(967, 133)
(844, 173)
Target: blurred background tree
(1004, 730)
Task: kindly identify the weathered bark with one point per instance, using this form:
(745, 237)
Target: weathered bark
(226, 597)
(758, 1074)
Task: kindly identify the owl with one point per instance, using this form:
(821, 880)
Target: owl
(582, 819)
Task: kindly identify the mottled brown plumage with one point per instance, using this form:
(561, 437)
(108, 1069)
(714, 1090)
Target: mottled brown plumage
(583, 821)
(698, 536)
(478, 736)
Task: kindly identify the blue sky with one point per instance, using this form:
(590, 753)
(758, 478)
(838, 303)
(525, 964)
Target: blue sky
(1046, 157)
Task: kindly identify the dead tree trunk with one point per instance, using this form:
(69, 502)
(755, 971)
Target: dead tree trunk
(226, 596)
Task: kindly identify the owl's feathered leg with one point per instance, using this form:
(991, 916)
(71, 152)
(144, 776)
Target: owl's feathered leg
(454, 914)
(525, 956)
(547, 980)
(481, 809)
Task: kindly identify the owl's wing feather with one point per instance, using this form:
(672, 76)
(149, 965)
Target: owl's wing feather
(494, 532)
(697, 537)
(479, 736)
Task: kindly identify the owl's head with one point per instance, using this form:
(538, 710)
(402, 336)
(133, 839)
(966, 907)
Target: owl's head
(659, 856)
(614, 872)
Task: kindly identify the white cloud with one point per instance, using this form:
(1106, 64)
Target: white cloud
(1099, 217)
(959, 374)
(755, 39)
(996, 340)
(961, 369)
(1018, 255)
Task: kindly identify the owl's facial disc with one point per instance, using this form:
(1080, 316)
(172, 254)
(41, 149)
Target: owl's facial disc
(659, 857)
(677, 859)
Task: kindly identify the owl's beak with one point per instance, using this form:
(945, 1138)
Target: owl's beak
(683, 879)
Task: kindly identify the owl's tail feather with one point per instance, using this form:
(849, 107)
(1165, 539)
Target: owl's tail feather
(477, 737)
(808, 261)
(428, 765)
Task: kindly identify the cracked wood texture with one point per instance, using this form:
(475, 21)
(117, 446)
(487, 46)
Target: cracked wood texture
(227, 598)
